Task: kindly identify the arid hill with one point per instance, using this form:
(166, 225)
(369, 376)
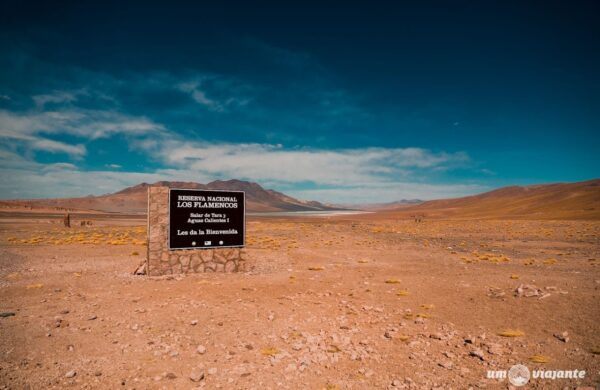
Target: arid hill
(134, 199)
(579, 200)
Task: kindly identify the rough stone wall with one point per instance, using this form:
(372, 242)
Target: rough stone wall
(162, 261)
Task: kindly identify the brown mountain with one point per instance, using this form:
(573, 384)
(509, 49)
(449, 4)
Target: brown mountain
(579, 200)
(134, 199)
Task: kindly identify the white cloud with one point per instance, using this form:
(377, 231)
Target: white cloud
(263, 162)
(33, 180)
(364, 175)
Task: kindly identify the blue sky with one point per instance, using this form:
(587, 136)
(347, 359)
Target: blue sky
(344, 102)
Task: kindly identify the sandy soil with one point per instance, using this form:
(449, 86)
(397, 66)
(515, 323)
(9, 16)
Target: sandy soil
(330, 303)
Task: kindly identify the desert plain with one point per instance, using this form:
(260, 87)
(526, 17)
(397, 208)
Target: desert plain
(369, 301)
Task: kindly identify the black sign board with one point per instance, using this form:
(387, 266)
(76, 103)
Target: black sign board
(206, 219)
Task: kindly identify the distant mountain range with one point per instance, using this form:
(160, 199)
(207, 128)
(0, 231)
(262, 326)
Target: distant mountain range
(134, 199)
(547, 201)
(579, 200)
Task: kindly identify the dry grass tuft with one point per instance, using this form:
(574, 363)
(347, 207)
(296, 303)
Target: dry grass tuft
(402, 293)
(539, 359)
(334, 349)
(392, 281)
(36, 285)
(316, 268)
(511, 333)
(269, 351)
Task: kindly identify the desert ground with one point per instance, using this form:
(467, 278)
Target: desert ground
(349, 302)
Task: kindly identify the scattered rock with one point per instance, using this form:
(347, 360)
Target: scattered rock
(70, 374)
(477, 353)
(291, 367)
(7, 314)
(446, 364)
(495, 349)
(194, 322)
(141, 269)
(92, 318)
(170, 375)
(201, 349)
(495, 292)
(197, 375)
(527, 291)
(564, 336)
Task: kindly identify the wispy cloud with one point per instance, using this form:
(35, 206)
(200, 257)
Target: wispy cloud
(32, 129)
(193, 89)
(55, 97)
(89, 124)
(48, 145)
(198, 92)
